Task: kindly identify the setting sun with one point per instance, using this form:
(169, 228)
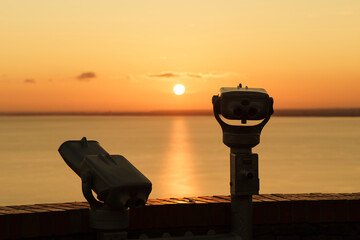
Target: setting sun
(179, 89)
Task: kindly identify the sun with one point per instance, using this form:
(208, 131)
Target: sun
(179, 89)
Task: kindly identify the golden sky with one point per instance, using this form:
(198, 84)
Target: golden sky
(126, 55)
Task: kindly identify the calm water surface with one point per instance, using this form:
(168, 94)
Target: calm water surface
(182, 156)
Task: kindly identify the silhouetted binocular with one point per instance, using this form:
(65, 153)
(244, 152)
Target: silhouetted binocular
(117, 183)
(243, 103)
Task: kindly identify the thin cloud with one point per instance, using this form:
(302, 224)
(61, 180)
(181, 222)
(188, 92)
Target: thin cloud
(131, 78)
(128, 77)
(191, 75)
(29, 80)
(165, 75)
(195, 75)
(86, 76)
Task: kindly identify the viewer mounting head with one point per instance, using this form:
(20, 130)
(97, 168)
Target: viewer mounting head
(242, 104)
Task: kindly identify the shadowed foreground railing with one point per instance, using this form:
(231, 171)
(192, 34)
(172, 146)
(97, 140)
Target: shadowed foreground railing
(275, 216)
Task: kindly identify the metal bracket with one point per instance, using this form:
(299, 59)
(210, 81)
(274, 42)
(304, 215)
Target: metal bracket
(244, 174)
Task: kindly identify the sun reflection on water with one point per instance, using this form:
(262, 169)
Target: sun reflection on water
(178, 167)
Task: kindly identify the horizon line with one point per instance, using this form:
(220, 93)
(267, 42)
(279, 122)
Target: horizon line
(326, 112)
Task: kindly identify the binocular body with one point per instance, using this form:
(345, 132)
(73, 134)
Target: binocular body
(244, 103)
(117, 183)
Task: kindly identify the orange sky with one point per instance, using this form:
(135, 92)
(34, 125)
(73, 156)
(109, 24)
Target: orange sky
(65, 55)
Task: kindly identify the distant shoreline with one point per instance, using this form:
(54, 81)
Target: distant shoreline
(335, 112)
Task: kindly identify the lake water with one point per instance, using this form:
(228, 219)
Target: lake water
(182, 156)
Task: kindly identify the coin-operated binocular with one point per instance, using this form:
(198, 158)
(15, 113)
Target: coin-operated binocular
(246, 105)
(242, 104)
(117, 183)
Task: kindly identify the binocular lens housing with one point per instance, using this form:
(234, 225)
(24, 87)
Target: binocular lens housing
(116, 181)
(242, 104)
(113, 178)
(245, 105)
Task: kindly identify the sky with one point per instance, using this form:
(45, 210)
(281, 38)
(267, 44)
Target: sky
(126, 55)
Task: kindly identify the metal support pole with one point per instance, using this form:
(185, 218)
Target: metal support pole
(244, 183)
(241, 216)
